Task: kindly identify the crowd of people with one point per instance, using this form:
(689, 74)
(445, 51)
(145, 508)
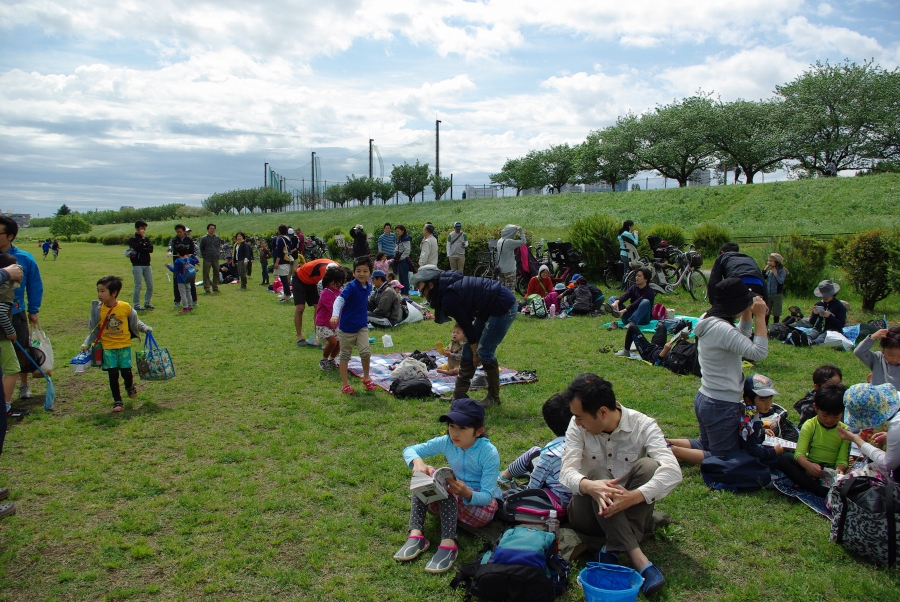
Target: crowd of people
(607, 463)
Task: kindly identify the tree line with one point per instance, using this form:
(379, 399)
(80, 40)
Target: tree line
(844, 116)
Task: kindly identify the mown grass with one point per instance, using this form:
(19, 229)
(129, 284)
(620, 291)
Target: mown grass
(812, 206)
(250, 477)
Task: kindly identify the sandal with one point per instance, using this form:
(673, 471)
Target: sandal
(443, 560)
(412, 549)
(118, 406)
(370, 385)
(348, 390)
(132, 391)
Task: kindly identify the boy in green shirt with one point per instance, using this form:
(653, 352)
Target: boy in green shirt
(819, 445)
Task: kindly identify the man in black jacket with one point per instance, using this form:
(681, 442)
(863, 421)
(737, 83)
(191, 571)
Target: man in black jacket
(139, 254)
(732, 264)
(181, 238)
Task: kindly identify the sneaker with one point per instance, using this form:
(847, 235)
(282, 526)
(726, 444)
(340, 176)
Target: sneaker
(25, 392)
(653, 580)
(118, 406)
(185, 310)
(176, 305)
(442, 561)
(326, 365)
(503, 483)
(195, 304)
(132, 391)
(302, 343)
(139, 308)
(412, 549)
(490, 401)
(623, 353)
(149, 306)
(604, 557)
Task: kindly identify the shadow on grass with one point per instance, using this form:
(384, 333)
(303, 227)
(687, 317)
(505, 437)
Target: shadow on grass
(109, 419)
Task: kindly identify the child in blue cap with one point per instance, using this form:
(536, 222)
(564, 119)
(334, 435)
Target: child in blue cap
(473, 493)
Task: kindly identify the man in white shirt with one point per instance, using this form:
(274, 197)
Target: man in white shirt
(428, 247)
(617, 465)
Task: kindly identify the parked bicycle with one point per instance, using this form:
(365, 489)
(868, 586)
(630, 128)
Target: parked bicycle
(316, 248)
(487, 261)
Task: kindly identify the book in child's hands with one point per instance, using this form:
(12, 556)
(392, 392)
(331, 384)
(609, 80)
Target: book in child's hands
(431, 488)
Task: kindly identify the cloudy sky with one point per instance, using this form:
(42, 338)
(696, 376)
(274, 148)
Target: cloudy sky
(109, 102)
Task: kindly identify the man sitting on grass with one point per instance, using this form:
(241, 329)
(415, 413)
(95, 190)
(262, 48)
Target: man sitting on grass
(617, 465)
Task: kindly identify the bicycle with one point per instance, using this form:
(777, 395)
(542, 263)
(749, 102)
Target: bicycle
(691, 277)
(561, 259)
(487, 261)
(316, 249)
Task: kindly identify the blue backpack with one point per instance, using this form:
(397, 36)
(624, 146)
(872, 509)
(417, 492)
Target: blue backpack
(521, 567)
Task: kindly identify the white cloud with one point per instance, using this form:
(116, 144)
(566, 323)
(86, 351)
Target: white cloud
(824, 9)
(818, 39)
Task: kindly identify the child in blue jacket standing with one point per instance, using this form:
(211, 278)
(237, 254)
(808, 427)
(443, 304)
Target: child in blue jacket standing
(350, 315)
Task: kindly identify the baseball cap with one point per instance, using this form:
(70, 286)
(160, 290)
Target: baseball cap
(379, 274)
(290, 230)
(464, 412)
(457, 224)
(760, 384)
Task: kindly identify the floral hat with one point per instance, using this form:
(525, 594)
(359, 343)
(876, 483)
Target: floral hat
(869, 406)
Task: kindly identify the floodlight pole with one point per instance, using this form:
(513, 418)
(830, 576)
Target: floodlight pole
(265, 175)
(437, 149)
(370, 167)
(312, 181)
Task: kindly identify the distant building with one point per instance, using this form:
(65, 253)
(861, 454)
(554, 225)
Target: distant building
(23, 219)
(126, 208)
(699, 177)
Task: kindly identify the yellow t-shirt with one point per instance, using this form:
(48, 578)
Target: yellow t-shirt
(116, 334)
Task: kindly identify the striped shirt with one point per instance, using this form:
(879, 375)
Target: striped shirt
(546, 470)
(387, 243)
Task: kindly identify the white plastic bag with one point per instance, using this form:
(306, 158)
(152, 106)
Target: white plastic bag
(409, 368)
(837, 340)
(41, 341)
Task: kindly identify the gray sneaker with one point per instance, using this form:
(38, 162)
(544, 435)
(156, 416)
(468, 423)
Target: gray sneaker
(138, 308)
(623, 353)
(412, 549)
(442, 561)
(25, 392)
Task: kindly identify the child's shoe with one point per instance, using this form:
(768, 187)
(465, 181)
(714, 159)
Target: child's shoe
(132, 391)
(412, 549)
(348, 390)
(185, 310)
(326, 365)
(118, 406)
(443, 560)
(623, 353)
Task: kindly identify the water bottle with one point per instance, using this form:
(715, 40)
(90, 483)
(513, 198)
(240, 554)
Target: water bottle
(553, 523)
(387, 341)
(553, 310)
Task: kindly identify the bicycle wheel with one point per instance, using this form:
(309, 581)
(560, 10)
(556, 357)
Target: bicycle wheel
(629, 280)
(482, 271)
(612, 279)
(697, 285)
(670, 273)
(521, 285)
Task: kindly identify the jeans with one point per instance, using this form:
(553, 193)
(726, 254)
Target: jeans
(796, 473)
(720, 423)
(403, 274)
(490, 334)
(816, 336)
(638, 314)
(145, 273)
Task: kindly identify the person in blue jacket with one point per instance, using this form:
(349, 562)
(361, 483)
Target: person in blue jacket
(484, 309)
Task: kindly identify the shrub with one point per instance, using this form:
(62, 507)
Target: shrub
(866, 259)
(114, 239)
(671, 233)
(708, 238)
(805, 260)
(91, 239)
(587, 235)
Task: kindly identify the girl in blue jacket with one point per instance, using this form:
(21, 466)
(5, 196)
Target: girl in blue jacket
(473, 493)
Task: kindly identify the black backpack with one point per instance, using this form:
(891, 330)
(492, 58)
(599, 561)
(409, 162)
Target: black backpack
(426, 359)
(417, 386)
(683, 358)
(779, 331)
(487, 577)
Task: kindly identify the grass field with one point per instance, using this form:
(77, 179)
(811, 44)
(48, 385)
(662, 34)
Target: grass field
(811, 206)
(250, 477)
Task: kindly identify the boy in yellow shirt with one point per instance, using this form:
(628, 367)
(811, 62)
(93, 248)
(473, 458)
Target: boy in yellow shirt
(118, 324)
(819, 445)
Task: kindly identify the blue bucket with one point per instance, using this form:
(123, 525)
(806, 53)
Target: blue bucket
(609, 583)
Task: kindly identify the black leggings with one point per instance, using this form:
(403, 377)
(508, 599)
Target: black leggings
(127, 378)
(790, 467)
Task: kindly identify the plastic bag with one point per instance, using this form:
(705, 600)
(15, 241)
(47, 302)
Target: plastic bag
(40, 340)
(154, 362)
(837, 340)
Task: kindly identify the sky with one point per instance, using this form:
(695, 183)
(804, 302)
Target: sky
(105, 103)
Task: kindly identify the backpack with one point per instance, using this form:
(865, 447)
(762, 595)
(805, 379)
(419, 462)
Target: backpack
(190, 270)
(426, 359)
(530, 506)
(582, 299)
(658, 312)
(521, 567)
(683, 358)
(415, 386)
(779, 331)
(536, 306)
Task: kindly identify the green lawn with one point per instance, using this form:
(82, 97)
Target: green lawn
(250, 477)
(811, 206)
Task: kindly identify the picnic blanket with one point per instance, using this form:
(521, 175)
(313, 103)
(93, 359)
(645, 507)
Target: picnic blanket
(381, 365)
(786, 486)
(651, 327)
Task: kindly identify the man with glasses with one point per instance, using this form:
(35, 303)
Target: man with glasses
(32, 287)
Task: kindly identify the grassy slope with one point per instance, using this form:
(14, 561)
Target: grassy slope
(814, 206)
(250, 477)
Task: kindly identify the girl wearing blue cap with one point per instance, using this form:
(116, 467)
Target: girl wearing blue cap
(473, 493)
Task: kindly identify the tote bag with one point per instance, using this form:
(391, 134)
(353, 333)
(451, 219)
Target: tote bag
(154, 362)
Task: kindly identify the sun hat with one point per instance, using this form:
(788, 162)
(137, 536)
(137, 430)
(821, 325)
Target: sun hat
(396, 284)
(733, 296)
(869, 406)
(759, 384)
(777, 257)
(826, 288)
(379, 274)
(425, 273)
(559, 286)
(464, 412)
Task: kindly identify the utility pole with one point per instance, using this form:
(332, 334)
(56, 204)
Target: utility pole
(437, 149)
(370, 167)
(312, 180)
(265, 175)
(451, 187)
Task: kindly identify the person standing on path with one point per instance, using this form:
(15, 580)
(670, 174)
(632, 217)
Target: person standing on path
(428, 249)
(182, 238)
(31, 287)
(210, 246)
(141, 248)
(457, 242)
